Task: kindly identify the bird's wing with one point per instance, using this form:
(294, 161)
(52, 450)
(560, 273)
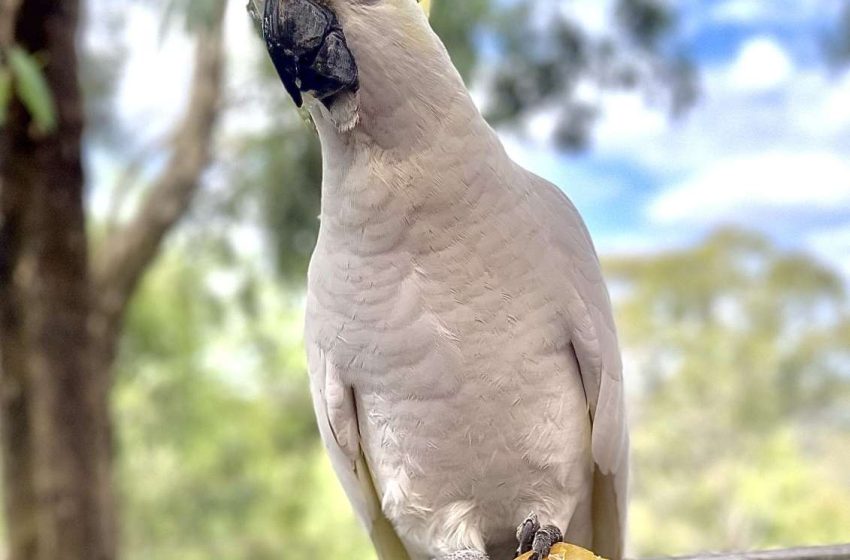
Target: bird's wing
(336, 413)
(594, 341)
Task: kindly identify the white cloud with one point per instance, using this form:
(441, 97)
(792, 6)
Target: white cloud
(594, 16)
(628, 121)
(739, 11)
(153, 89)
(761, 65)
(833, 246)
(761, 11)
(824, 109)
(806, 110)
(764, 148)
(747, 188)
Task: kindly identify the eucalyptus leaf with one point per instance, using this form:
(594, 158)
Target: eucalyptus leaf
(5, 93)
(32, 89)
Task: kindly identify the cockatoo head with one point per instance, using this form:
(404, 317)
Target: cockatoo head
(359, 62)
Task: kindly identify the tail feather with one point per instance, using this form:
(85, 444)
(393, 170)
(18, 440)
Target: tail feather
(609, 514)
(384, 537)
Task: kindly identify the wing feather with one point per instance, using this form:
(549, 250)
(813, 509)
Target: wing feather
(594, 340)
(336, 414)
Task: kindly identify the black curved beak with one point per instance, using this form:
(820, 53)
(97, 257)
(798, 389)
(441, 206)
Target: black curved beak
(308, 49)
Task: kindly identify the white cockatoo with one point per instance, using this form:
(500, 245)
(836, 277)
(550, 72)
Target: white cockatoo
(463, 359)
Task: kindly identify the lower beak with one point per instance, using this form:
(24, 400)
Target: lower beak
(308, 49)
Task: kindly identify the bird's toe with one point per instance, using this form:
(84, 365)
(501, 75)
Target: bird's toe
(543, 541)
(525, 533)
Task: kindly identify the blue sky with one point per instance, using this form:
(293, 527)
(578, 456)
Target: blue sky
(766, 147)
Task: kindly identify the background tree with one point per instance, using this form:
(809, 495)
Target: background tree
(745, 346)
(51, 428)
(62, 313)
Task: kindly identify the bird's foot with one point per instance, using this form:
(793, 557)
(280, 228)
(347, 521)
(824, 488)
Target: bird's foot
(525, 534)
(470, 554)
(532, 537)
(543, 541)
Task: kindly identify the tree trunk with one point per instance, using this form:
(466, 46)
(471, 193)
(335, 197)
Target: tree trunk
(18, 483)
(54, 464)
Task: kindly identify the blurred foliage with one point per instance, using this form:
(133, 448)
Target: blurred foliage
(845, 32)
(275, 180)
(218, 451)
(5, 93)
(836, 40)
(738, 357)
(22, 75)
(192, 14)
(559, 68)
(457, 24)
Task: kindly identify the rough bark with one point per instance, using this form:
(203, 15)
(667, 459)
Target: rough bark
(18, 483)
(50, 431)
(8, 16)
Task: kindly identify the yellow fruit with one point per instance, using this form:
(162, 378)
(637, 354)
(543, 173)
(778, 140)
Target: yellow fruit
(563, 551)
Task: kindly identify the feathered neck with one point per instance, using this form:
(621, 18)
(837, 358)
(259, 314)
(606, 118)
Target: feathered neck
(407, 79)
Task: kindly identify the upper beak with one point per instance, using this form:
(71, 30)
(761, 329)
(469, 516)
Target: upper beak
(308, 49)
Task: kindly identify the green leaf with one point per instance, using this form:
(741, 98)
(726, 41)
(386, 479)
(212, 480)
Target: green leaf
(5, 93)
(32, 89)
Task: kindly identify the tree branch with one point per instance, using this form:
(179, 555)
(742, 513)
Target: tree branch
(8, 17)
(122, 261)
(124, 185)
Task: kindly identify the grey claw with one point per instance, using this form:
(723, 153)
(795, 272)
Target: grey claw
(525, 533)
(543, 541)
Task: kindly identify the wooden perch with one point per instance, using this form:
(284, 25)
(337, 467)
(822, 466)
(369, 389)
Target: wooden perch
(836, 552)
